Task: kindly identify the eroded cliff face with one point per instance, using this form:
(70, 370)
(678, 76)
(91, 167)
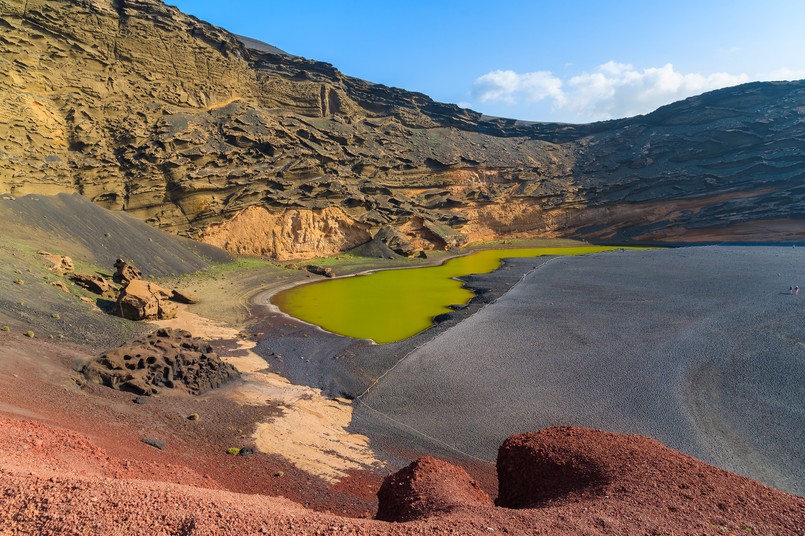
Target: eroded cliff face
(142, 108)
(289, 233)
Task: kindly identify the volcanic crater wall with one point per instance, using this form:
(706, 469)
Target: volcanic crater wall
(142, 108)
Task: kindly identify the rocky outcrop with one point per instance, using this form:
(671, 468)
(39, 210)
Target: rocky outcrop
(125, 273)
(143, 300)
(167, 358)
(288, 234)
(427, 487)
(62, 264)
(94, 283)
(142, 108)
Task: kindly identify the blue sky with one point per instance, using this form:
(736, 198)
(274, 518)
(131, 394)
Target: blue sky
(566, 60)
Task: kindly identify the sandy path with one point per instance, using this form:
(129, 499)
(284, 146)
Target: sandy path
(312, 431)
(701, 348)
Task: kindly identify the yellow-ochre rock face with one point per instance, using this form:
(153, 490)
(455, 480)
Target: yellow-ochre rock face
(141, 108)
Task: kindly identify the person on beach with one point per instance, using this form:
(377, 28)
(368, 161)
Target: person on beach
(796, 290)
(790, 290)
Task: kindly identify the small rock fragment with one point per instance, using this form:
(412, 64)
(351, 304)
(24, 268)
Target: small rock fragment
(326, 271)
(154, 442)
(60, 285)
(183, 296)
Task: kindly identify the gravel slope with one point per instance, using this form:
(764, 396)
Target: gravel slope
(701, 348)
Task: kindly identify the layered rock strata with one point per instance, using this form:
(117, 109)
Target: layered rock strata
(141, 108)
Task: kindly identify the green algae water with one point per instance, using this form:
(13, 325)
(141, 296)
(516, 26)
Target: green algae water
(392, 305)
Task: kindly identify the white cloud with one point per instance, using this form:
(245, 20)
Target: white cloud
(784, 73)
(620, 90)
(510, 87)
(610, 90)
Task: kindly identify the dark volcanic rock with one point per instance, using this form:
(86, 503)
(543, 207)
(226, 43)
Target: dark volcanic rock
(167, 358)
(427, 487)
(154, 442)
(326, 271)
(395, 241)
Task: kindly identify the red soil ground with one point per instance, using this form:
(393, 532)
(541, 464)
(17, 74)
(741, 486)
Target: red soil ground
(71, 462)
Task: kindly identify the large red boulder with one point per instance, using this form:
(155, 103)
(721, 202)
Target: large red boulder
(538, 466)
(426, 487)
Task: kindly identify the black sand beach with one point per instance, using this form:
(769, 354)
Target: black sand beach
(701, 348)
(345, 367)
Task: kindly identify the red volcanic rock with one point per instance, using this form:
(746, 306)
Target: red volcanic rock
(94, 283)
(142, 300)
(426, 487)
(61, 263)
(636, 481)
(125, 273)
(570, 480)
(536, 467)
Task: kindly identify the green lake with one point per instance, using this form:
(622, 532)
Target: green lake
(392, 305)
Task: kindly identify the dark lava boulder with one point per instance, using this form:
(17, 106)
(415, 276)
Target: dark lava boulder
(326, 271)
(426, 487)
(167, 358)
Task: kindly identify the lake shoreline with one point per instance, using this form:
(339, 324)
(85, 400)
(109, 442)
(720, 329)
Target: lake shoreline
(344, 367)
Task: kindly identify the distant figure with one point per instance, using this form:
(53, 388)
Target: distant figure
(790, 290)
(796, 290)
